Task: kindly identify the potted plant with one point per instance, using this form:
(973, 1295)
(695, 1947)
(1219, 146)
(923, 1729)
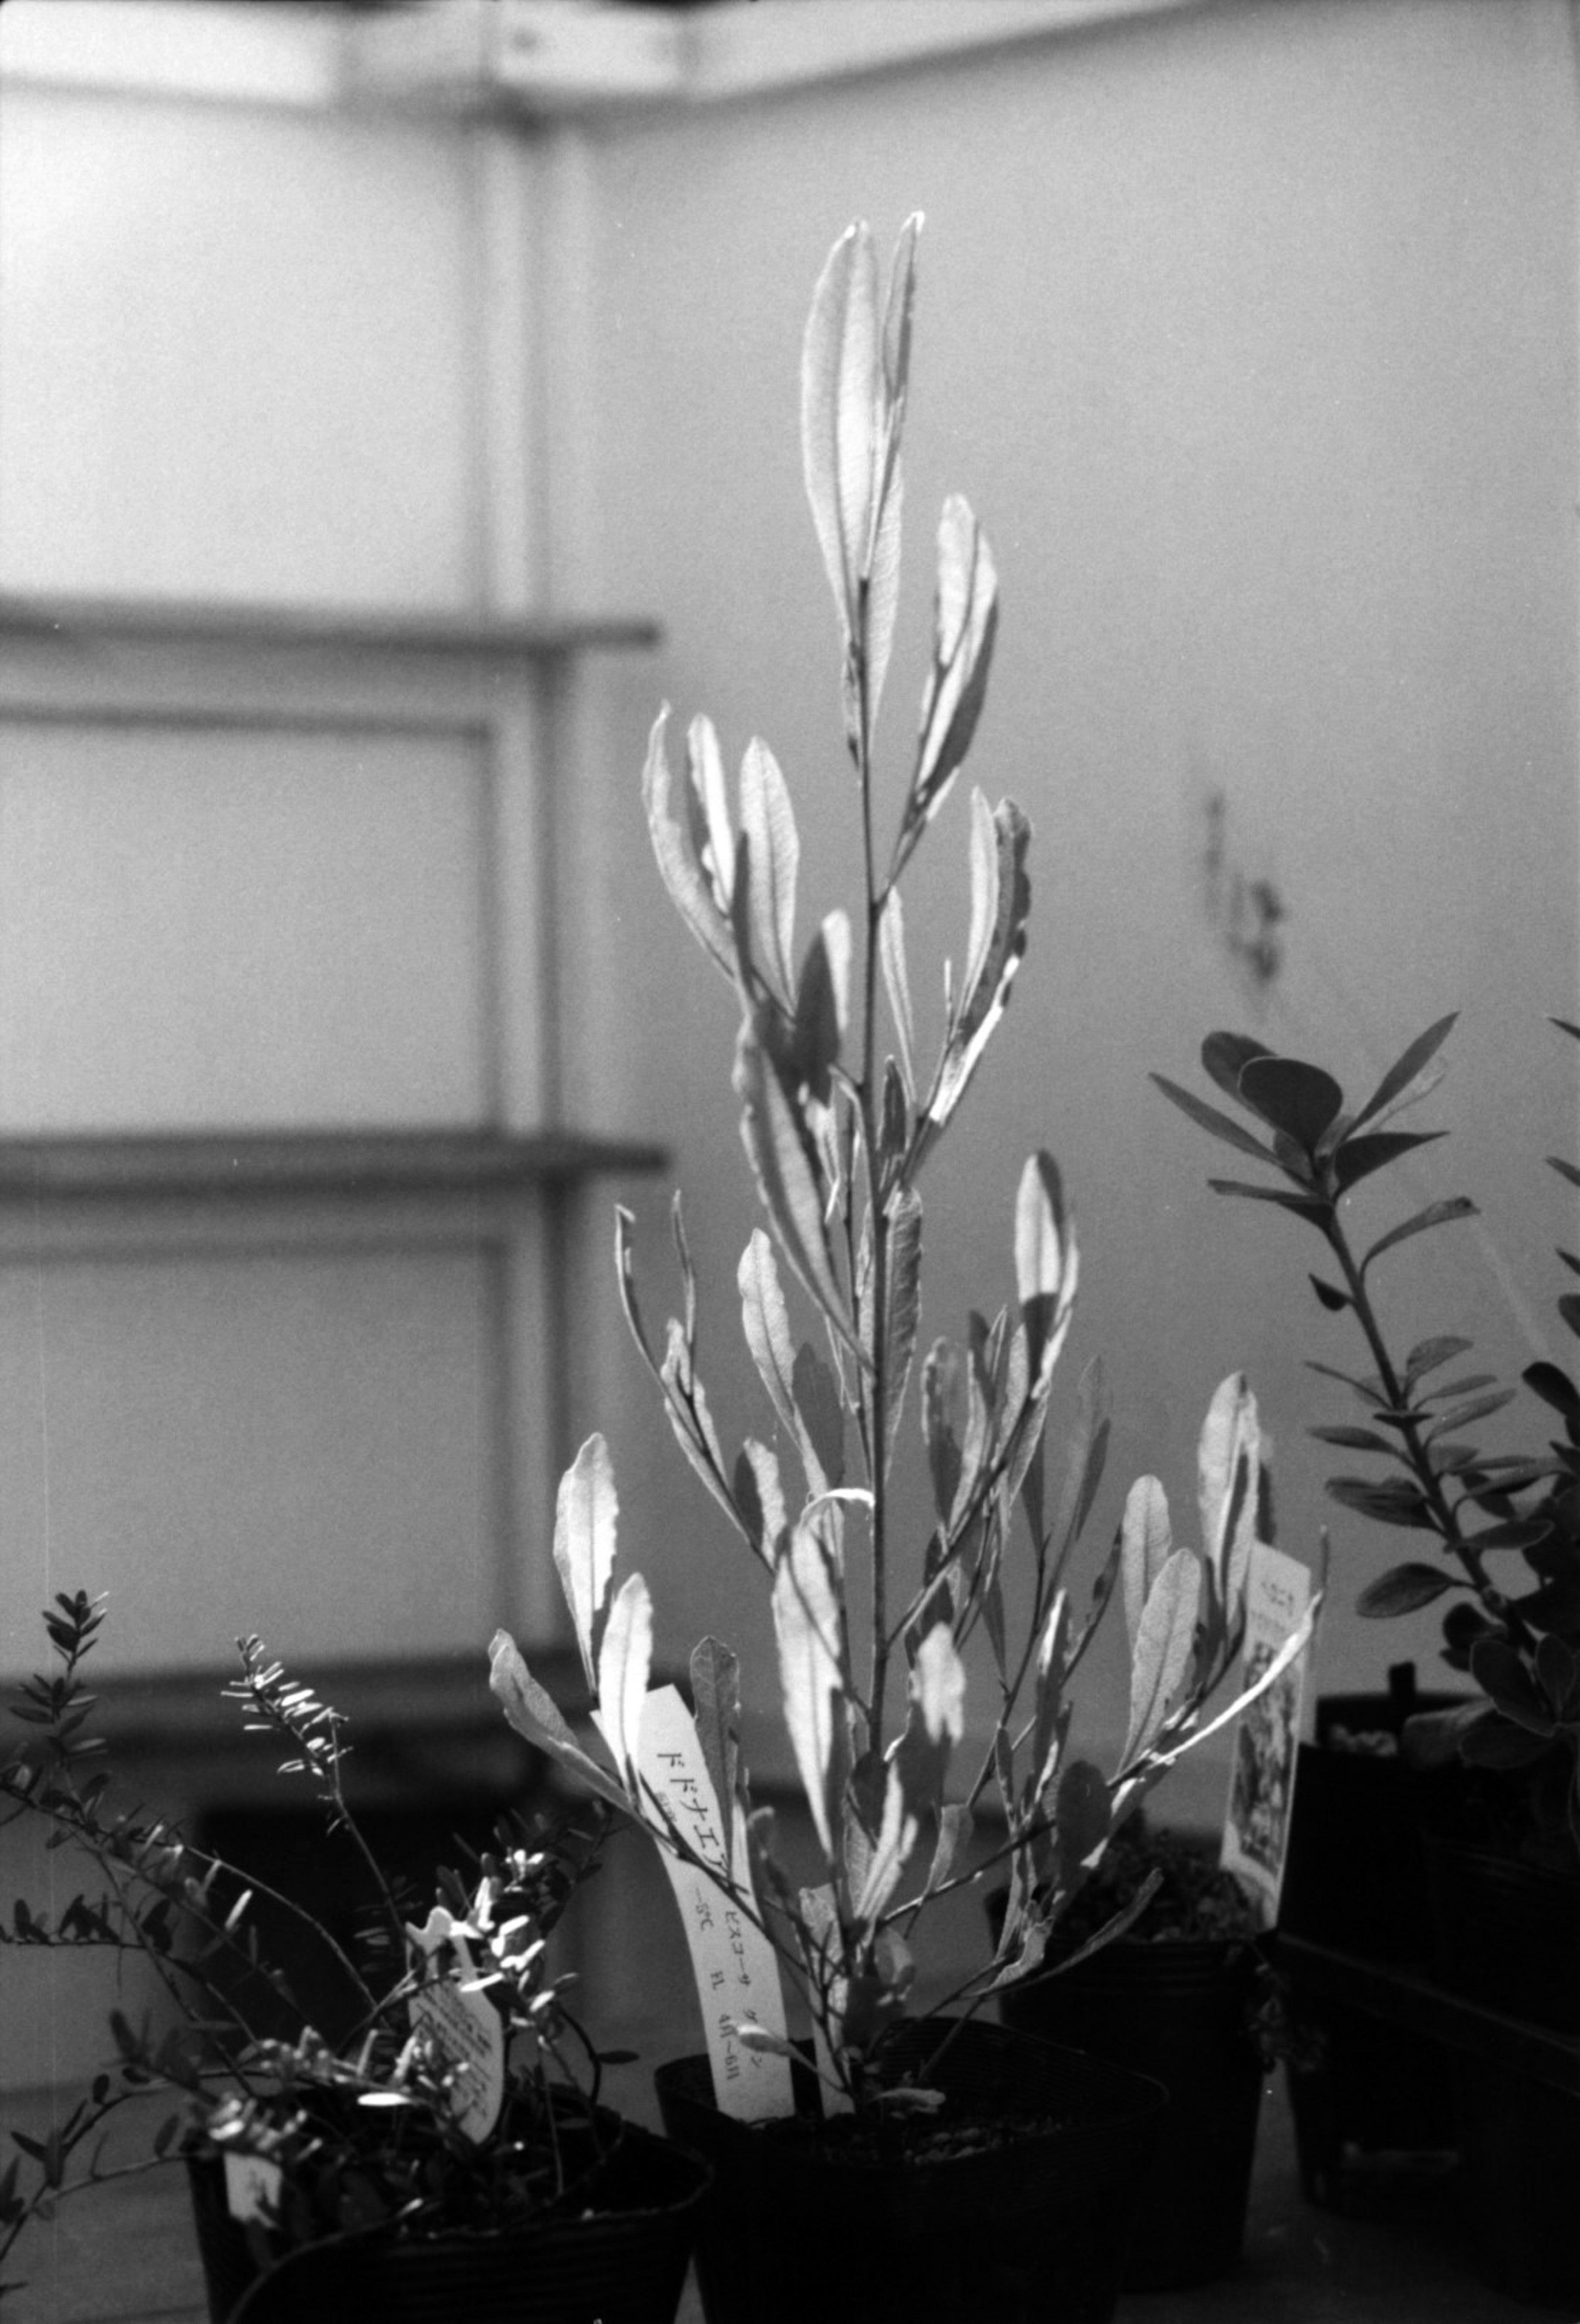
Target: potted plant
(449, 2153)
(1505, 1862)
(927, 2165)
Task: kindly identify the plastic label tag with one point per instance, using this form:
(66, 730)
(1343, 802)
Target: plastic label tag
(1262, 1785)
(735, 1967)
(465, 2028)
(252, 2187)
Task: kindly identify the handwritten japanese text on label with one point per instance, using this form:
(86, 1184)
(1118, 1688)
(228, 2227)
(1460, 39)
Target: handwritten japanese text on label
(735, 1966)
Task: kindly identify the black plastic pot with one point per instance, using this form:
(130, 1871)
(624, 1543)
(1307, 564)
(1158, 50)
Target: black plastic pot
(1028, 2232)
(1507, 1933)
(1356, 1874)
(1374, 2110)
(1521, 2152)
(1178, 2012)
(623, 2264)
(1508, 1937)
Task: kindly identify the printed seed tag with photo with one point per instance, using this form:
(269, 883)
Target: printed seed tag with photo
(1261, 1787)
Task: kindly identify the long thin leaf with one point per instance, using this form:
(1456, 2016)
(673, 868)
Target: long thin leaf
(1426, 1356)
(1316, 1210)
(686, 1404)
(817, 1033)
(1436, 1214)
(765, 1321)
(1084, 1459)
(623, 1666)
(892, 956)
(1402, 1589)
(966, 618)
(625, 1275)
(1164, 1640)
(904, 1304)
(536, 1717)
(1228, 1471)
(681, 840)
(842, 397)
(956, 1825)
(819, 1420)
(584, 1520)
(1478, 1409)
(775, 1138)
(1294, 1645)
(760, 1500)
(1209, 1118)
(773, 855)
(935, 1724)
(883, 561)
(1146, 1542)
(1051, 1714)
(1046, 1265)
(1000, 902)
(897, 1830)
(1396, 1501)
(806, 1627)
(1354, 1439)
(1407, 1079)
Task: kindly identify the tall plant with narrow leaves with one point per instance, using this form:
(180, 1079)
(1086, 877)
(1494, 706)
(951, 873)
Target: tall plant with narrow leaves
(838, 1121)
(1517, 1635)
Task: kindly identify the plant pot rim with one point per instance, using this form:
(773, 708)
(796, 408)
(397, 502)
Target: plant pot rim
(1487, 1857)
(626, 2138)
(385, 2247)
(1133, 2095)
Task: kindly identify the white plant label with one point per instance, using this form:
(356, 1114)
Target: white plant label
(735, 1967)
(465, 2027)
(1262, 1785)
(252, 2187)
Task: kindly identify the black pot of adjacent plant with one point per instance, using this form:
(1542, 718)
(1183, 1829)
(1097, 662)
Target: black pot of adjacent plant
(615, 2252)
(1183, 2000)
(1504, 1880)
(1009, 2205)
(1355, 1873)
(1373, 2103)
(1505, 1898)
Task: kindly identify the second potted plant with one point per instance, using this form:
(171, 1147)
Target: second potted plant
(448, 2155)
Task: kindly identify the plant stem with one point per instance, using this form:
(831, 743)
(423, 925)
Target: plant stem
(874, 1391)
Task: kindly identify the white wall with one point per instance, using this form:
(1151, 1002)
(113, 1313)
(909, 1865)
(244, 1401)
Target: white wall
(246, 357)
(238, 353)
(1250, 336)
(249, 355)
